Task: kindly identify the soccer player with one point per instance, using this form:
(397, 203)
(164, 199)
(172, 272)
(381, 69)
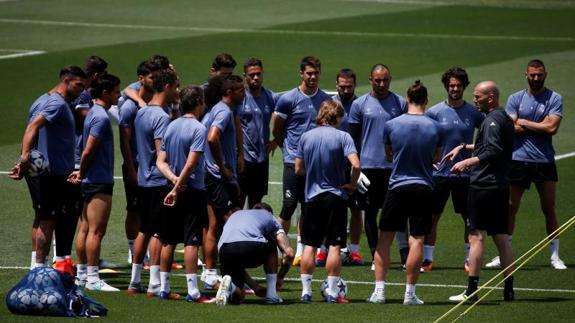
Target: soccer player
(95, 67)
(96, 175)
(321, 157)
(33, 183)
(221, 164)
(537, 112)
(223, 65)
(128, 148)
(295, 114)
(156, 62)
(250, 239)
(255, 115)
(51, 130)
(487, 205)
(181, 160)
(150, 124)
(367, 119)
(458, 120)
(413, 143)
(345, 85)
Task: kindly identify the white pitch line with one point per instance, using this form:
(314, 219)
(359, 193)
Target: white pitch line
(20, 53)
(563, 156)
(287, 32)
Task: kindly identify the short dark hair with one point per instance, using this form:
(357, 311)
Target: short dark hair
(263, 206)
(73, 71)
(106, 82)
(310, 61)
(158, 62)
(346, 73)
(328, 113)
(95, 64)
(252, 61)
(213, 90)
(536, 63)
(229, 83)
(143, 69)
(162, 78)
(190, 97)
(417, 93)
(377, 67)
(456, 72)
(223, 60)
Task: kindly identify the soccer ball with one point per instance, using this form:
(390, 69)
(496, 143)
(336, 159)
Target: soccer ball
(27, 298)
(46, 279)
(38, 163)
(341, 288)
(51, 302)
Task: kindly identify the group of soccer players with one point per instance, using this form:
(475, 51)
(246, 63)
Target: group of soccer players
(192, 157)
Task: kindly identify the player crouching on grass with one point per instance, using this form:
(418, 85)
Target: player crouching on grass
(413, 142)
(181, 161)
(97, 177)
(321, 158)
(250, 238)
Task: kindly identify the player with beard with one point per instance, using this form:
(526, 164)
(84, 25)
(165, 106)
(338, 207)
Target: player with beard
(295, 114)
(458, 120)
(537, 112)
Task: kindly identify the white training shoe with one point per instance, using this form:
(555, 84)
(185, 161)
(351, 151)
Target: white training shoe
(224, 291)
(463, 297)
(373, 266)
(411, 299)
(101, 286)
(558, 264)
(377, 297)
(494, 263)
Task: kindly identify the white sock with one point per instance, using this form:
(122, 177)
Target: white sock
(323, 249)
(192, 282)
(467, 252)
(82, 271)
(130, 250)
(54, 246)
(33, 260)
(554, 249)
(271, 280)
(164, 281)
(379, 286)
(306, 284)
(136, 273)
(93, 275)
(155, 275)
(38, 264)
(409, 289)
(299, 248)
(210, 275)
(353, 248)
(332, 285)
(428, 252)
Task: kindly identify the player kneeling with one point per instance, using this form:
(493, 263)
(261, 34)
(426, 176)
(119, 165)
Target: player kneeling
(250, 239)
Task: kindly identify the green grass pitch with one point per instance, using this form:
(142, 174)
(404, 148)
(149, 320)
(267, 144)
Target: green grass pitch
(417, 39)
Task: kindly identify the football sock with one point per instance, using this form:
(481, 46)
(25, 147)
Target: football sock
(82, 271)
(93, 275)
(271, 280)
(428, 252)
(472, 283)
(155, 275)
(136, 273)
(379, 286)
(299, 248)
(508, 283)
(332, 285)
(192, 282)
(409, 289)
(306, 283)
(164, 281)
(554, 249)
(33, 260)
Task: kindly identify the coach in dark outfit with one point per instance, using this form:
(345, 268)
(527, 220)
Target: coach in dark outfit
(488, 205)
